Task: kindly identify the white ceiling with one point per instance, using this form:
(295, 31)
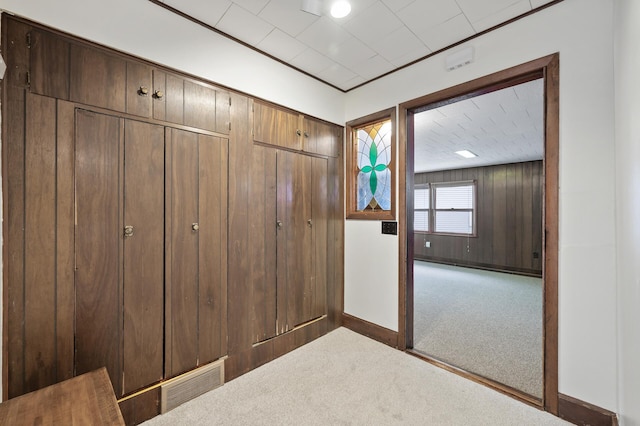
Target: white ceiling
(505, 126)
(378, 37)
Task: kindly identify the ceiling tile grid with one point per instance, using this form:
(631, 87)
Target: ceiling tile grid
(376, 38)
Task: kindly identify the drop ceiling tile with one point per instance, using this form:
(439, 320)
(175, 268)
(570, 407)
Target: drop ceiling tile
(450, 32)
(422, 15)
(373, 24)
(538, 3)
(352, 52)
(372, 67)
(337, 74)
(401, 46)
(396, 5)
(253, 6)
(281, 45)
(501, 16)
(244, 26)
(286, 15)
(311, 61)
(204, 10)
(324, 35)
(476, 10)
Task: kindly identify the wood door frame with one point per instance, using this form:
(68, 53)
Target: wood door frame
(548, 68)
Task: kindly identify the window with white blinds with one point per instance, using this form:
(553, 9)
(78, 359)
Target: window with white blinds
(445, 208)
(421, 200)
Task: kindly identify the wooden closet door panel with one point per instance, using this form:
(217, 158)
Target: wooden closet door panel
(184, 251)
(40, 242)
(143, 255)
(98, 244)
(262, 246)
(294, 177)
(139, 78)
(316, 300)
(213, 160)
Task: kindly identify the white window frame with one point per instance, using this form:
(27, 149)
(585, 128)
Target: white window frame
(432, 211)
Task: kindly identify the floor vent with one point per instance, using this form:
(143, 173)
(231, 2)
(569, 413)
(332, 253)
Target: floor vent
(191, 385)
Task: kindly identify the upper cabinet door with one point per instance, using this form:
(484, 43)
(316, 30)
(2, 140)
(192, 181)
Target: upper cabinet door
(139, 89)
(97, 78)
(321, 138)
(49, 75)
(276, 126)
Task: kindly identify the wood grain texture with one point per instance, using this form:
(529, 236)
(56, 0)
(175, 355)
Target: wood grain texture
(316, 298)
(97, 78)
(13, 135)
(509, 220)
(49, 65)
(15, 51)
(263, 242)
(223, 108)
(141, 407)
(276, 126)
(99, 140)
(138, 76)
(184, 252)
(143, 310)
(199, 106)
(84, 400)
(40, 242)
(65, 254)
(212, 250)
(320, 138)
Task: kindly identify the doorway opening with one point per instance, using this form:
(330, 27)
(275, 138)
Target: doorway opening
(447, 225)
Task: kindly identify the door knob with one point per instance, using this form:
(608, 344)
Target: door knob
(143, 91)
(128, 231)
(195, 227)
(310, 223)
(158, 94)
(279, 224)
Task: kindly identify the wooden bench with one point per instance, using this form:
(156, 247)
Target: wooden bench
(87, 399)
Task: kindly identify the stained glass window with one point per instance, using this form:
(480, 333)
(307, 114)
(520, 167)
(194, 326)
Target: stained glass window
(370, 164)
(374, 176)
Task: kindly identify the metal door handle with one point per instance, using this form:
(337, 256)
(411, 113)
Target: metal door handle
(195, 227)
(279, 224)
(128, 231)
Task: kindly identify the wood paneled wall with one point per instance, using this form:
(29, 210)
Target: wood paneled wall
(508, 220)
(205, 135)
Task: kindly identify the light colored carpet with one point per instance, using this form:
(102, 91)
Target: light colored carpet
(485, 322)
(344, 378)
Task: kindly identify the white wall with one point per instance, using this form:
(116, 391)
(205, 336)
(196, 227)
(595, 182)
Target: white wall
(582, 31)
(627, 92)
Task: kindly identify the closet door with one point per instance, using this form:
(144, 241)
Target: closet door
(99, 240)
(143, 255)
(119, 171)
(316, 297)
(182, 351)
(196, 250)
(294, 239)
(262, 233)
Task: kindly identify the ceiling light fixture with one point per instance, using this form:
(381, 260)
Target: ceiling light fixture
(340, 9)
(466, 153)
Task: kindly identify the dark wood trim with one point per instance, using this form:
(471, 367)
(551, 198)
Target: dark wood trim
(350, 164)
(583, 413)
(547, 67)
(502, 388)
(371, 330)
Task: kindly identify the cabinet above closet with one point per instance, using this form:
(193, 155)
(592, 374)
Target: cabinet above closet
(57, 67)
(278, 126)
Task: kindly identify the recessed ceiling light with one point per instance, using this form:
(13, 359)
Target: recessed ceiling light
(466, 153)
(340, 9)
